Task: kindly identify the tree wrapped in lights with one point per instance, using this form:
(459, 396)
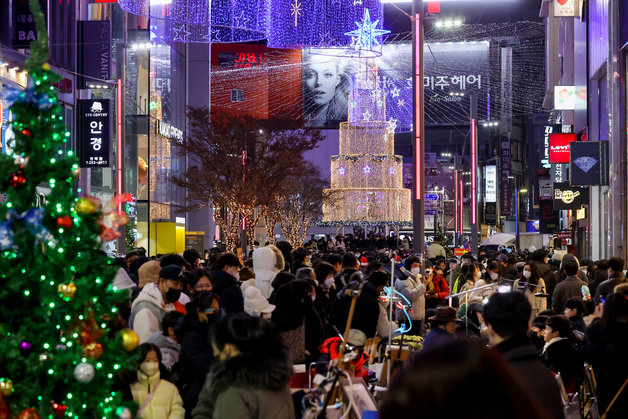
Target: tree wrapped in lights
(243, 166)
(301, 204)
(59, 354)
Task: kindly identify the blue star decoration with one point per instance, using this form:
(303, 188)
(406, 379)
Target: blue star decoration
(365, 37)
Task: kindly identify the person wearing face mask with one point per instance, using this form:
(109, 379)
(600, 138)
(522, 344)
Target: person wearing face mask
(225, 282)
(156, 397)
(492, 275)
(195, 356)
(532, 283)
(326, 286)
(154, 301)
(412, 287)
(251, 375)
(436, 286)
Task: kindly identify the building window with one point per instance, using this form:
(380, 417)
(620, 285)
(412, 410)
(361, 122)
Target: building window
(237, 95)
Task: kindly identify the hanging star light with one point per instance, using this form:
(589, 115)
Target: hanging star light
(237, 20)
(366, 169)
(365, 37)
(366, 116)
(401, 103)
(357, 2)
(181, 34)
(341, 171)
(394, 92)
(295, 10)
(391, 170)
(391, 126)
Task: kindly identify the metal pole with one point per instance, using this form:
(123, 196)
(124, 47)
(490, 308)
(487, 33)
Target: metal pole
(474, 174)
(418, 204)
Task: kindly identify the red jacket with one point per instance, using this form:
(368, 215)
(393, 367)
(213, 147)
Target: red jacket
(331, 348)
(438, 285)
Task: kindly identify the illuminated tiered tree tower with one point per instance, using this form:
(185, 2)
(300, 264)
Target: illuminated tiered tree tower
(366, 175)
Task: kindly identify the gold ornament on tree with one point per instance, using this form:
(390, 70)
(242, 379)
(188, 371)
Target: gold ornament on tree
(6, 387)
(67, 291)
(130, 340)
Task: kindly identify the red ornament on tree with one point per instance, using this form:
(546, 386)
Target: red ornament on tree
(27, 132)
(64, 221)
(17, 179)
(59, 409)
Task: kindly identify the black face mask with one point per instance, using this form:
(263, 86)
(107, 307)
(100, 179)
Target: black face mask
(173, 295)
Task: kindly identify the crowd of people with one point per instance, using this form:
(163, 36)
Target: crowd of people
(220, 335)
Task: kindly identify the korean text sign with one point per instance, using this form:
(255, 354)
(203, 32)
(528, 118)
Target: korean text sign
(95, 136)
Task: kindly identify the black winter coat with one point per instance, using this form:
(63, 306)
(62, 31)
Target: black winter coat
(524, 357)
(562, 357)
(550, 280)
(195, 358)
(365, 316)
(228, 289)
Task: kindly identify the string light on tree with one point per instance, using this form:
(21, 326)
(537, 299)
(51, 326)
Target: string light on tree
(44, 338)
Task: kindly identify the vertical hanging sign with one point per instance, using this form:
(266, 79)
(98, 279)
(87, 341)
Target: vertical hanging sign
(94, 134)
(505, 196)
(94, 55)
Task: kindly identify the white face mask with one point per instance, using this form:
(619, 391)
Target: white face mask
(313, 297)
(415, 271)
(149, 368)
(428, 272)
(494, 276)
(350, 356)
(478, 275)
(527, 274)
(329, 282)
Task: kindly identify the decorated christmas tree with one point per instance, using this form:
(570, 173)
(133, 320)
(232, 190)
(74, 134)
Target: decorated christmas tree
(366, 175)
(59, 352)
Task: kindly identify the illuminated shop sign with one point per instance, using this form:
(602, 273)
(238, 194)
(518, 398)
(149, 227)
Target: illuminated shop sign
(559, 147)
(568, 197)
(166, 130)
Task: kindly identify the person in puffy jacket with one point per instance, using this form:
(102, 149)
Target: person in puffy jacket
(412, 287)
(157, 398)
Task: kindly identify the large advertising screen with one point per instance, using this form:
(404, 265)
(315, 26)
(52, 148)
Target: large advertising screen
(453, 71)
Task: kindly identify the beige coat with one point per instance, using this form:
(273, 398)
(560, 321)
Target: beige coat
(166, 402)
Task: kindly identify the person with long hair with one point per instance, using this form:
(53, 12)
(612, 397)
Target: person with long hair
(157, 398)
(326, 83)
(532, 283)
(453, 380)
(250, 378)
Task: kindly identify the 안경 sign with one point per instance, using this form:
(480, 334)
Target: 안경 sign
(95, 138)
